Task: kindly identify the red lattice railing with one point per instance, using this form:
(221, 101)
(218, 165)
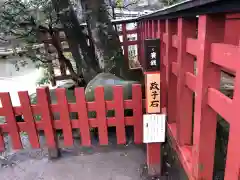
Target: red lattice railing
(209, 41)
(45, 109)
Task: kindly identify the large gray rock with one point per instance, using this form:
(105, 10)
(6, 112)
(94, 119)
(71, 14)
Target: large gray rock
(108, 80)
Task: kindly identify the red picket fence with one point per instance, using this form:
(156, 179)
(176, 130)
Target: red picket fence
(45, 109)
(210, 41)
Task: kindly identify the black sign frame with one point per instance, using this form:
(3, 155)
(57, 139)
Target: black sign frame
(151, 55)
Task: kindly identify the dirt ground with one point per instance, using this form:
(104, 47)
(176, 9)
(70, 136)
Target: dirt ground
(112, 162)
(102, 163)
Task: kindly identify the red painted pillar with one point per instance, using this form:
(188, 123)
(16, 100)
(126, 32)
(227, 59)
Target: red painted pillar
(232, 29)
(142, 38)
(153, 29)
(150, 34)
(148, 29)
(154, 158)
(232, 170)
(145, 29)
(186, 29)
(171, 56)
(210, 30)
(161, 30)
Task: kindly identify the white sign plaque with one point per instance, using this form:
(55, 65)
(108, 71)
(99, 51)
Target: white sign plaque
(154, 128)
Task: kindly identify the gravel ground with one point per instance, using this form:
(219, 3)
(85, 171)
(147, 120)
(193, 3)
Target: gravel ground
(97, 162)
(103, 163)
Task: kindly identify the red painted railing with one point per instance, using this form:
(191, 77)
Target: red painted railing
(209, 41)
(45, 109)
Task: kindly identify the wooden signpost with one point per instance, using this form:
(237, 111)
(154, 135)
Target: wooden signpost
(154, 122)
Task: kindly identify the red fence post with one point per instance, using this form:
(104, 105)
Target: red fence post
(210, 30)
(153, 149)
(161, 30)
(101, 116)
(62, 105)
(44, 105)
(232, 170)
(145, 30)
(8, 111)
(82, 111)
(2, 145)
(153, 29)
(152, 91)
(119, 114)
(170, 57)
(29, 119)
(137, 113)
(150, 33)
(186, 28)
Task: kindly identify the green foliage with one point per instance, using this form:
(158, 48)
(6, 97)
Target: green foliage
(119, 3)
(26, 21)
(170, 2)
(45, 79)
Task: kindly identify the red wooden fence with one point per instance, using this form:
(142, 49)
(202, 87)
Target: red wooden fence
(45, 109)
(206, 40)
(212, 41)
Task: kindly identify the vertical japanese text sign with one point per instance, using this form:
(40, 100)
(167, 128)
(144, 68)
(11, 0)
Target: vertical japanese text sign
(153, 92)
(152, 55)
(152, 77)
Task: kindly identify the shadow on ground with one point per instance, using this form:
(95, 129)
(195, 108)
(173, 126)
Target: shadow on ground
(102, 163)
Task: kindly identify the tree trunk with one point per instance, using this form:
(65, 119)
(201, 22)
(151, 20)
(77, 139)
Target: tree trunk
(105, 38)
(62, 59)
(77, 40)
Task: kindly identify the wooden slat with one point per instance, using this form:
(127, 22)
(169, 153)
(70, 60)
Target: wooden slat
(29, 119)
(83, 122)
(129, 43)
(175, 68)
(35, 109)
(43, 103)
(93, 123)
(190, 81)
(153, 29)
(128, 104)
(165, 37)
(165, 61)
(110, 105)
(10, 120)
(233, 149)
(192, 46)
(101, 116)
(65, 120)
(220, 103)
(119, 114)
(17, 110)
(225, 55)
(175, 41)
(2, 146)
(137, 113)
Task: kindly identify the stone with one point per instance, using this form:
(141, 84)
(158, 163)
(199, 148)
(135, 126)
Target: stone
(108, 80)
(53, 153)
